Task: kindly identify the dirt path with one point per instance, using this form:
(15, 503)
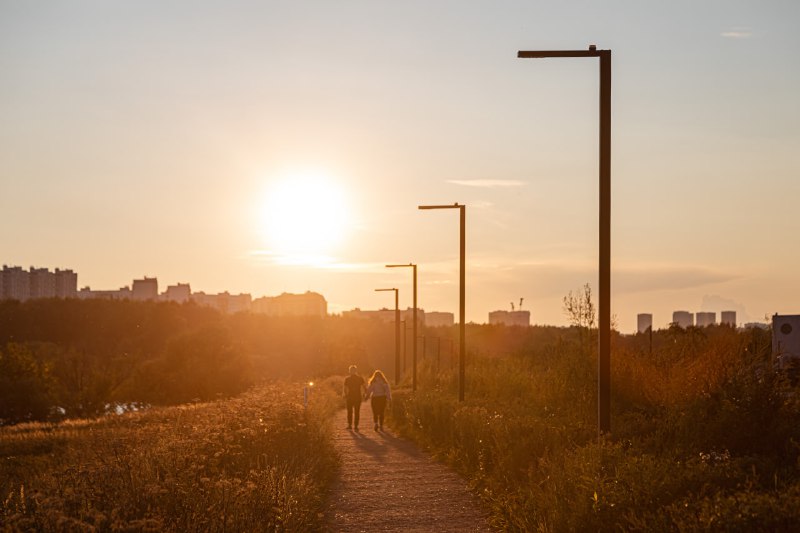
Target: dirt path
(388, 484)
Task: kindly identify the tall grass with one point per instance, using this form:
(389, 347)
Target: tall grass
(704, 436)
(259, 462)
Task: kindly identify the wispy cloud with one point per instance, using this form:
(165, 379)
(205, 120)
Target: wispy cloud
(646, 278)
(626, 278)
(439, 282)
(716, 303)
(488, 184)
(737, 32)
(481, 204)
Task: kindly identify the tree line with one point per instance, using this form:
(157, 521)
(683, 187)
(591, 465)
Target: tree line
(79, 358)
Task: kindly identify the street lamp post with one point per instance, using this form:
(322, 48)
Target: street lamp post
(405, 342)
(438, 353)
(461, 306)
(396, 334)
(604, 293)
(452, 355)
(414, 327)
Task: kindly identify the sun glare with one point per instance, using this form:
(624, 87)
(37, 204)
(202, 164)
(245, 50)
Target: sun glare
(306, 215)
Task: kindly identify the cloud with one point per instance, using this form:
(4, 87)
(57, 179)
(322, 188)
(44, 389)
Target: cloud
(551, 277)
(716, 303)
(439, 282)
(488, 184)
(737, 32)
(646, 278)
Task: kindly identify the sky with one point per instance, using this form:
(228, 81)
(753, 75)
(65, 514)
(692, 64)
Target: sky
(284, 146)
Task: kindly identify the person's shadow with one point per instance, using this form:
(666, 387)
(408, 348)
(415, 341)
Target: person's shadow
(378, 443)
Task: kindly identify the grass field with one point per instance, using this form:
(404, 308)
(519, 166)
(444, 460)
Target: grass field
(705, 436)
(259, 462)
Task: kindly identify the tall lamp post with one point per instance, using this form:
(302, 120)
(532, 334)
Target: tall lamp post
(604, 293)
(405, 342)
(396, 334)
(414, 327)
(461, 307)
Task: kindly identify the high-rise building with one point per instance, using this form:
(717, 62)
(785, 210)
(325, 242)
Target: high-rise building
(510, 318)
(123, 293)
(684, 319)
(66, 283)
(644, 322)
(705, 318)
(16, 283)
(384, 315)
(145, 289)
(201, 298)
(308, 304)
(728, 318)
(180, 293)
(236, 303)
(42, 283)
(224, 302)
(439, 318)
(408, 316)
(387, 315)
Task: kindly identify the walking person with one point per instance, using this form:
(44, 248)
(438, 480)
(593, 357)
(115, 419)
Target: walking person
(354, 391)
(380, 392)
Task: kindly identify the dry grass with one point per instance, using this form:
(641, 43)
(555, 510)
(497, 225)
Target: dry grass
(705, 435)
(259, 462)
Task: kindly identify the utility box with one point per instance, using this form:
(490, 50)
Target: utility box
(786, 341)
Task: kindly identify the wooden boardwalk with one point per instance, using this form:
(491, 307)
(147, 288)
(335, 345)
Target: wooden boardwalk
(387, 484)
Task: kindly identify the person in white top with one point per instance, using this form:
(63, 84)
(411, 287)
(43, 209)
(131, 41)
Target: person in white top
(380, 392)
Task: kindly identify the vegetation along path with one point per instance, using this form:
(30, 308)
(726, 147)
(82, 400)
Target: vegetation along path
(387, 484)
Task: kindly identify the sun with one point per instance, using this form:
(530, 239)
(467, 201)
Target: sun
(305, 214)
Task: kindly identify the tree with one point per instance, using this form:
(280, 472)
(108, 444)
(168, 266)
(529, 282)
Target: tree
(203, 365)
(579, 307)
(25, 385)
(581, 313)
(85, 382)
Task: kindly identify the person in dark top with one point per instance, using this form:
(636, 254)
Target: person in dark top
(354, 390)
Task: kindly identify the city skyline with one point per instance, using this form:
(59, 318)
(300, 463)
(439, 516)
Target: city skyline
(276, 147)
(63, 283)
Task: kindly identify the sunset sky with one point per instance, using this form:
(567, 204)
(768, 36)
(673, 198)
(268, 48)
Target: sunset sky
(284, 146)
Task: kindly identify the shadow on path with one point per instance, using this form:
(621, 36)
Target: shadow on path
(377, 444)
(387, 483)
